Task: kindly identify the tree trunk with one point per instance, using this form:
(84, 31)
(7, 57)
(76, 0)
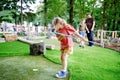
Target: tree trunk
(116, 14)
(93, 7)
(45, 11)
(21, 14)
(103, 14)
(71, 15)
(15, 16)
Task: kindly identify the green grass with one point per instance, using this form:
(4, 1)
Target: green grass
(90, 63)
(14, 48)
(17, 64)
(21, 68)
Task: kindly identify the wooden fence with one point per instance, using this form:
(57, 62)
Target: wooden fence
(103, 34)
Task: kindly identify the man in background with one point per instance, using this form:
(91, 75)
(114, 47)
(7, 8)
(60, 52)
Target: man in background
(90, 23)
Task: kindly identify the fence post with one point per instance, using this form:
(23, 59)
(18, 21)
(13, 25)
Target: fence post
(104, 34)
(98, 34)
(113, 34)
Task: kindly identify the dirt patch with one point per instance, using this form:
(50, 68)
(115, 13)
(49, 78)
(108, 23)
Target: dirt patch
(113, 46)
(116, 48)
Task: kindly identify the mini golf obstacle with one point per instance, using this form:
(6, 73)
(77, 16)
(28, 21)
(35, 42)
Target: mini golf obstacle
(8, 36)
(37, 48)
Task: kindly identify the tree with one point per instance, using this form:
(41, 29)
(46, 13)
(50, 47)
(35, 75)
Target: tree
(52, 8)
(111, 14)
(45, 11)
(103, 14)
(71, 13)
(10, 6)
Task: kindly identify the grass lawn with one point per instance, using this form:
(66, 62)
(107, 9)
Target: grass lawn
(22, 68)
(90, 63)
(17, 64)
(14, 48)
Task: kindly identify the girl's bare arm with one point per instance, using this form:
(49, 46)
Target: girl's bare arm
(78, 35)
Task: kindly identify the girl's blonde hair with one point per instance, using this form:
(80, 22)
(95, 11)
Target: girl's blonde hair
(64, 22)
(61, 22)
(83, 21)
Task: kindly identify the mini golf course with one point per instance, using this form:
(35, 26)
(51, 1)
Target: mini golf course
(17, 64)
(90, 63)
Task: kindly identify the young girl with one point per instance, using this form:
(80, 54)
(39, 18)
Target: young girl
(82, 32)
(66, 42)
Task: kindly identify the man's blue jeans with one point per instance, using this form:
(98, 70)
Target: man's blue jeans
(90, 36)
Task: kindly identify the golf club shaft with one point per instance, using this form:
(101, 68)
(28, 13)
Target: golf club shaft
(73, 37)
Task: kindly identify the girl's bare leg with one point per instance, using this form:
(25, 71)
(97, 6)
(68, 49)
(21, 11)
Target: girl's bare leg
(64, 58)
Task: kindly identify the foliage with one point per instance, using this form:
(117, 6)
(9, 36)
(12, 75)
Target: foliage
(105, 12)
(55, 8)
(10, 6)
(109, 19)
(112, 14)
(7, 15)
